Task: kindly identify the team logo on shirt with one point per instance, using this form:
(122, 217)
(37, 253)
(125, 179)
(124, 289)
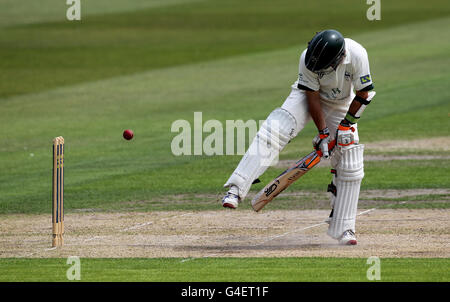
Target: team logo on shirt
(365, 79)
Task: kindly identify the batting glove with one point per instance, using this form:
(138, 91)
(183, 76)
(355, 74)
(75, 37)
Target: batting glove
(344, 134)
(320, 142)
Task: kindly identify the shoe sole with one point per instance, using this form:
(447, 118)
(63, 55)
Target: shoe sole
(350, 242)
(228, 205)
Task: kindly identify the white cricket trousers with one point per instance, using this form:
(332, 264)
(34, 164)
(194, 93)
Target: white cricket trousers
(334, 111)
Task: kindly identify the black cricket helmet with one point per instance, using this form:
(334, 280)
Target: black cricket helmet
(325, 50)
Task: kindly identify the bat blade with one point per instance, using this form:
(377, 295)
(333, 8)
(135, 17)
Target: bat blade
(285, 179)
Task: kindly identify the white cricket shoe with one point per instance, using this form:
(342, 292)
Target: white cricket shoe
(348, 238)
(231, 201)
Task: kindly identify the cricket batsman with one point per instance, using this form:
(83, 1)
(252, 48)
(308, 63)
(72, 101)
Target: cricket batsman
(333, 88)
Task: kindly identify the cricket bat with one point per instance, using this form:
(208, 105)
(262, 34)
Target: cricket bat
(285, 179)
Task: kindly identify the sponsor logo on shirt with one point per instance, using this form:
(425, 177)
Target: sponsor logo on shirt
(335, 92)
(365, 79)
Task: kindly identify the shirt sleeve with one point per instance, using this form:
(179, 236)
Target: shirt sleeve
(362, 79)
(307, 80)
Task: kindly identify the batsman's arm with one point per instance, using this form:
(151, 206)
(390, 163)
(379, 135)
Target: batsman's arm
(357, 107)
(315, 109)
(322, 139)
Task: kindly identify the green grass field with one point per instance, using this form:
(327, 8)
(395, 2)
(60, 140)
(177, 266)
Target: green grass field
(227, 270)
(144, 64)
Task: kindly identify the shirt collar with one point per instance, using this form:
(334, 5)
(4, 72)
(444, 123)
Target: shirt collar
(347, 58)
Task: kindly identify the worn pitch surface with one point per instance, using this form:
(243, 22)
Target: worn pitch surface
(224, 233)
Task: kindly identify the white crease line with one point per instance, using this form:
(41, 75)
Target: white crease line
(137, 226)
(287, 233)
(366, 211)
(31, 254)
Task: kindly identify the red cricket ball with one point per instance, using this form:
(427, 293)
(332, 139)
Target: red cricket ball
(128, 134)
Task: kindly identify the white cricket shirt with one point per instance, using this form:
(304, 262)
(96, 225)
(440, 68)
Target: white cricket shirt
(352, 73)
